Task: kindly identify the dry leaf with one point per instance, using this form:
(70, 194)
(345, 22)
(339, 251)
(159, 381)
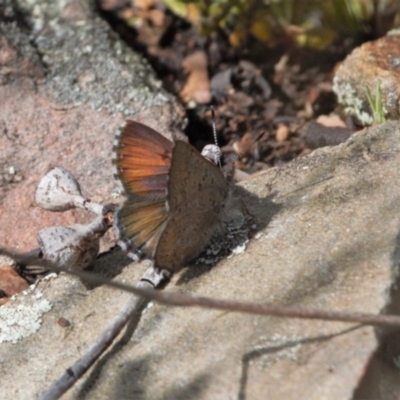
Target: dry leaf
(11, 283)
(331, 120)
(282, 133)
(197, 86)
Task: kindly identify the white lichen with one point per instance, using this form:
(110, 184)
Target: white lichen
(22, 316)
(353, 105)
(238, 249)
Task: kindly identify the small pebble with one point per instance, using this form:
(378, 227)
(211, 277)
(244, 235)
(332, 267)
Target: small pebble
(282, 133)
(64, 323)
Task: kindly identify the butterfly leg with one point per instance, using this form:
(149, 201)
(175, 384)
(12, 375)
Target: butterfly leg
(158, 278)
(248, 217)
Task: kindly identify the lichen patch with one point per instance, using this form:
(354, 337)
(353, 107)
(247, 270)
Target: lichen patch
(22, 316)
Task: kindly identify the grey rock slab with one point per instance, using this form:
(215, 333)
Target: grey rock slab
(328, 229)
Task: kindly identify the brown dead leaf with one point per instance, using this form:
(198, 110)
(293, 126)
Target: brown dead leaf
(111, 4)
(331, 121)
(197, 86)
(282, 133)
(10, 283)
(144, 4)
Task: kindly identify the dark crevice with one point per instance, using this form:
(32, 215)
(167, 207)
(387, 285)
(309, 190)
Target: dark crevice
(382, 376)
(248, 94)
(15, 14)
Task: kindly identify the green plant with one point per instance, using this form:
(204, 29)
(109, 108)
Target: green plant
(376, 104)
(310, 23)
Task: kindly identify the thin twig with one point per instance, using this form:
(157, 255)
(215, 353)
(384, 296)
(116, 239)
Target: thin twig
(184, 300)
(145, 290)
(178, 299)
(72, 374)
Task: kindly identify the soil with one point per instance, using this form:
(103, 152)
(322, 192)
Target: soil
(267, 98)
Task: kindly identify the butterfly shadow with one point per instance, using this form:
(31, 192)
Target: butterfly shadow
(115, 257)
(384, 365)
(270, 350)
(261, 210)
(132, 382)
(95, 373)
(254, 215)
(118, 259)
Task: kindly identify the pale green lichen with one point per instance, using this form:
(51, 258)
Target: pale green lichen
(22, 315)
(353, 105)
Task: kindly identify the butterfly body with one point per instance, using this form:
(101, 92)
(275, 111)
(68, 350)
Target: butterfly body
(175, 197)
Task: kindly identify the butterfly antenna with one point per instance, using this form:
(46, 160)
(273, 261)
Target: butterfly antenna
(241, 152)
(214, 130)
(247, 146)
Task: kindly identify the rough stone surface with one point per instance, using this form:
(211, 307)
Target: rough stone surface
(328, 238)
(368, 64)
(66, 86)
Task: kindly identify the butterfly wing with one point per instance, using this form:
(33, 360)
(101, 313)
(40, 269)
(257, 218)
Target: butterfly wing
(197, 193)
(143, 159)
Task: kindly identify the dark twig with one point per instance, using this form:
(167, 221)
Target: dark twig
(145, 290)
(149, 281)
(72, 374)
(184, 300)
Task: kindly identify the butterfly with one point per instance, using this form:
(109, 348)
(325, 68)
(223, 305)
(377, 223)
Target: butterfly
(174, 196)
